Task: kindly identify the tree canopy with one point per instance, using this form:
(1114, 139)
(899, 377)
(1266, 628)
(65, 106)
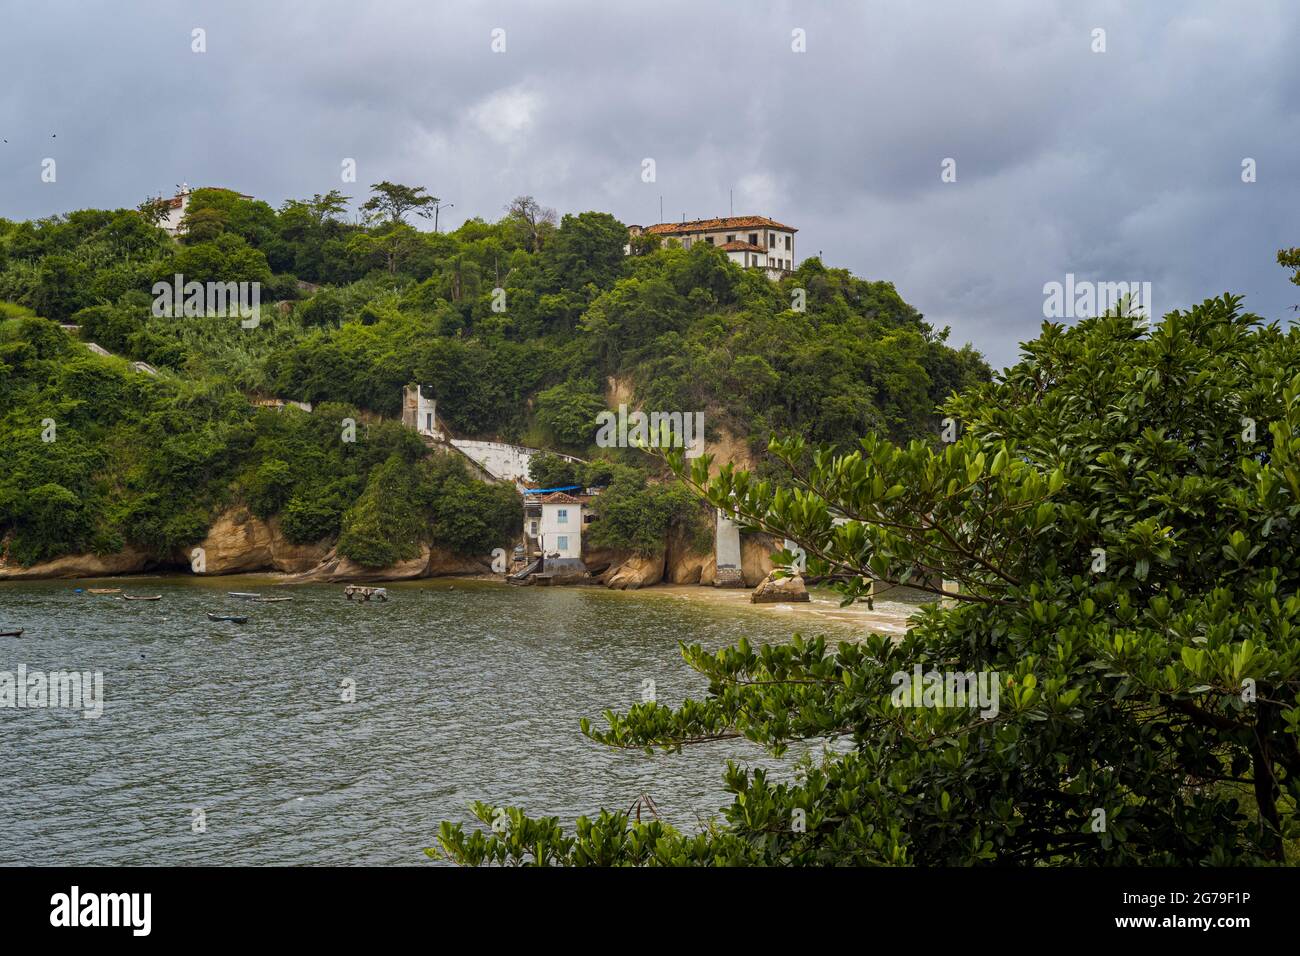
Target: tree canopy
(1119, 511)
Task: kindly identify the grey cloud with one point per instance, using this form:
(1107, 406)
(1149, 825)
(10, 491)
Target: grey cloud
(1112, 166)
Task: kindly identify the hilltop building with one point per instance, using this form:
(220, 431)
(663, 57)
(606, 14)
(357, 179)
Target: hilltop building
(750, 241)
(177, 205)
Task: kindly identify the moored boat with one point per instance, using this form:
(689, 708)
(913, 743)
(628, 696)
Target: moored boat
(141, 597)
(232, 618)
(12, 633)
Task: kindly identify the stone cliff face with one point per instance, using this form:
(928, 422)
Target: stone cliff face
(638, 571)
(238, 542)
(241, 543)
(756, 557)
(431, 562)
(130, 561)
(682, 563)
(625, 570)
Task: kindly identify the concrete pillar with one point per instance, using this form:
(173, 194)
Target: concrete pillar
(727, 553)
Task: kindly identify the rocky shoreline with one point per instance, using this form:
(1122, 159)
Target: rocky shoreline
(240, 543)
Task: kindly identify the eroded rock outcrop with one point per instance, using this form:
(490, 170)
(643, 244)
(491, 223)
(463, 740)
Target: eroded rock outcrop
(683, 564)
(430, 562)
(638, 571)
(129, 561)
(240, 543)
(776, 590)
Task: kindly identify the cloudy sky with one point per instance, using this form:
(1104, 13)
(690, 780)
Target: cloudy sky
(1116, 165)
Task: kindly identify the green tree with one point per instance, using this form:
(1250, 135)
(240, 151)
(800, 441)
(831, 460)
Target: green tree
(530, 223)
(1290, 259)
(1120, 511)
(227, 258)
(587, 249)
(568, 412)
(60, 288)
(468, 516)
(391, 202)
(385, 525)
(270, 488)
(546, 470)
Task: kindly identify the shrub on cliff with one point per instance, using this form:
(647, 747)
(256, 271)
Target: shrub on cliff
(634, 514)
(468, 516)
(1122, 513)
(385, 525)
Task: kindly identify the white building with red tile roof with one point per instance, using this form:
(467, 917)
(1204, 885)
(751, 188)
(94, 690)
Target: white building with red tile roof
(754, 242)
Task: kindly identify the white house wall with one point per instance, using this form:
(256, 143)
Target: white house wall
(551, 530)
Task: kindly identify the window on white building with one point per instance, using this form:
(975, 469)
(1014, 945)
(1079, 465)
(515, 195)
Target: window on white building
(771, 240)
(562, 542)
(753, 238)
(562, 516)
(787, 242)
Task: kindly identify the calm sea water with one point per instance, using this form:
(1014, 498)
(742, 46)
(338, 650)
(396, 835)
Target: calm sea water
(464, 691)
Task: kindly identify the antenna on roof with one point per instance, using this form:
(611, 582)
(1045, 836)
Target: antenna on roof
(731, 198)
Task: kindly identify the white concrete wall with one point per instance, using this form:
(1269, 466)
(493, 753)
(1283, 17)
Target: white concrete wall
(552, 529)
(503, 462)
(727, 542)
(426, 415)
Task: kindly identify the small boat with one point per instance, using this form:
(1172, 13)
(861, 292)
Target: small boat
(141, 597)
(246, 595)
(232, 618)
(271, 600)
(105, 590)
(17, 633)
(365, 593)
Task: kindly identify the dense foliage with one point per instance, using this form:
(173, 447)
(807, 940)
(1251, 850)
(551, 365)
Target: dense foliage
(1121, 510)
(524, 329)
(98, 457)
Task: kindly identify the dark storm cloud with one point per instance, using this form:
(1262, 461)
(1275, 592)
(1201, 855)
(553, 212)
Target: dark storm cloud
(1114, 166)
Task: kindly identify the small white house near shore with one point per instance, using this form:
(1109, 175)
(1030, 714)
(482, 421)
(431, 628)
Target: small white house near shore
(559, 527)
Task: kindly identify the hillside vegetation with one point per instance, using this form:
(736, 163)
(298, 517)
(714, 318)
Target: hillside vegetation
(350, 314)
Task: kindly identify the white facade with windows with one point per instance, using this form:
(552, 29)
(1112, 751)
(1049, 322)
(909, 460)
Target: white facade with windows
(559, 531)
(754, 242)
